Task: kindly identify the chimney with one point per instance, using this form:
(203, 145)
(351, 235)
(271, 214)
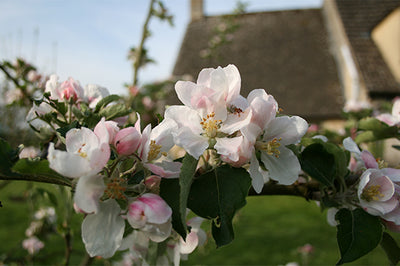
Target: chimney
(196, 9)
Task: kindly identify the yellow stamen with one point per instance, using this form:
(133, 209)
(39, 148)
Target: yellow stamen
(116, 188)
(372, 193)
(82, 153)
(271, 147)
(154, 151)
(381, 163)
(210, 125)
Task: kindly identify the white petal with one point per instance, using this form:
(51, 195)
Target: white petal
(285, 169)
(257, 179)
(102, 232)
(158, 232)
(88, 193)
(290, 129)
(350, 145)
(190, 244)
(193, 144)
(67, 164)
(229, 147)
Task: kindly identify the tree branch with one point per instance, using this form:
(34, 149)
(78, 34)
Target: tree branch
(139, 50)
(309, 190)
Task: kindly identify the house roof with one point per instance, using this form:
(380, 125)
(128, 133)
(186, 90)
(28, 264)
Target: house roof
(284, 52)
(359, 18)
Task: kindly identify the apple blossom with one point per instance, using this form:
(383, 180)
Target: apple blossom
(32, 245)
(154, 147)
(87, 152)
(64, 91)
(280, 162)
(392, 119)
(93, 93)
(376, 193)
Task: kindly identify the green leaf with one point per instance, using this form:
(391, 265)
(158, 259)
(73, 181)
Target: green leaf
(358, 233)
(39, 170)
(391, 248)
(170, 192)
(218, 195)
(324, 162)
(114, 111)
(63, 130)
(188, 170)
(8, 157)
(375, 130)
(105, 101)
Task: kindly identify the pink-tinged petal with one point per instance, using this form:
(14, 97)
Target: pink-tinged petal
(165, 168)
(392, 226)
(102, 232)
(136, 216)
(144, 146)
(204, 77)
(99, 158)
(236, 121)
(101, 131)
(229, 147)
(351, 146)
(219, 82)
(67, 164)
(388, 119)
(379, 208)
(257, 179)
(156, 209)
(285, 169)
(264, 107)
(234, 81)
(127, 141)
(290, 129)
(396, 108)
(190, 244)
(112, 128)
(88, 193)
(184, 91)
(393, 216)
(369, 160)
(245, 152)
(137, 123)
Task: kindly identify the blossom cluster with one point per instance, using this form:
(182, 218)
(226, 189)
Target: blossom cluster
(242, 132)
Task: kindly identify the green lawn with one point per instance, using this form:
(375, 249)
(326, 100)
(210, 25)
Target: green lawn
(268, 230)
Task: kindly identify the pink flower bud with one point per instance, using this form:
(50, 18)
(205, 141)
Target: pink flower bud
(149, 208)
(70, 89)
(127, 140)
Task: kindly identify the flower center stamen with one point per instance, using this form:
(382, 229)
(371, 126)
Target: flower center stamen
(270, 147)
(381, 163)
(82, 153)
(116, 188)
(372, 193)
(210, 125)
(154, 151)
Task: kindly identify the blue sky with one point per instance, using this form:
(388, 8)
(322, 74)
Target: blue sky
(89, 39)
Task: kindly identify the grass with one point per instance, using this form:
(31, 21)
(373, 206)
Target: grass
(268, 231)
